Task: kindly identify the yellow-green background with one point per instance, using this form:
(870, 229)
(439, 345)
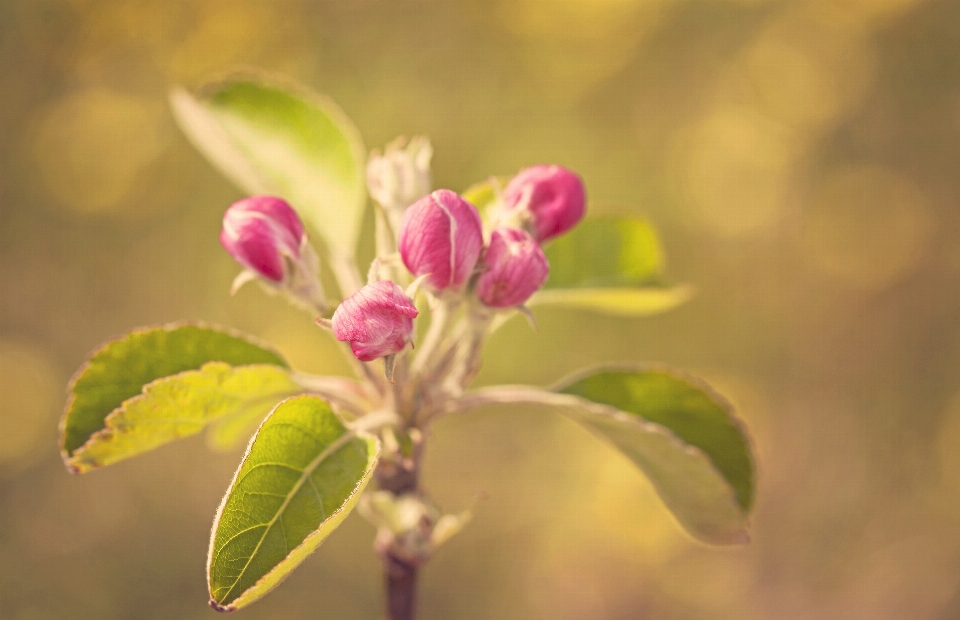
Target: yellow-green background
(801, 159)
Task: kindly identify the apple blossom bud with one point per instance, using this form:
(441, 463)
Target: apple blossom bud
(553, 196)
(377, 320)
(258, 232)
(401, 175)
(515, 268)
(265, 235)
(441, 237)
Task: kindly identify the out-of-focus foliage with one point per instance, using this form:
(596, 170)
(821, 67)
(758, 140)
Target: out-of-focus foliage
(270, 141)
(623, 274)
(798, 156)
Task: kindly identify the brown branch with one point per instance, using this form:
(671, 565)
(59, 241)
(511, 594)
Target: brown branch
(400, 583)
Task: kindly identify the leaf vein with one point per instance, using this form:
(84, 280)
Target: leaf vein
(305, 475)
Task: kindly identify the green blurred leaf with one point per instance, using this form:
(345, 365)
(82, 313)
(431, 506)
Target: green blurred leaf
(612, 265)
(301, 476)
(121, 368)
(485, 194)
(604, 252)
(681, 434)
(286, 141)
(182, 405)
(627, 301)
(688, 408)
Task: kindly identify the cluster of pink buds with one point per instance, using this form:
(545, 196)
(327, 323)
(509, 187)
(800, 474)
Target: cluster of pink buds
(440, 239)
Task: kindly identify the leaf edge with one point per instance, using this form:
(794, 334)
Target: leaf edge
(85, 366)
(695, 382)
(337, 517)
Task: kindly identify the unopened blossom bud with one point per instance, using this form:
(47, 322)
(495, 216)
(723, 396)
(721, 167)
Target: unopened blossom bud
(377, 320)
(401, 175)
(265, 235)
(258, 232)
(514, 268)
(553, 196)
(441, 237)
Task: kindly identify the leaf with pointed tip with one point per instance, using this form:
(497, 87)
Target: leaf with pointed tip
(688, 407)
(681, 434)
(301, 476)
(180, 406)
(120, 369)
(287, 141)
(612, 265)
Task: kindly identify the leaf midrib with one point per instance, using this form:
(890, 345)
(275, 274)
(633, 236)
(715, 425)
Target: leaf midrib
(304, 476)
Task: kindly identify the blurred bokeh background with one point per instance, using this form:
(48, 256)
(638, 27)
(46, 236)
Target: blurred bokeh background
(799, 157)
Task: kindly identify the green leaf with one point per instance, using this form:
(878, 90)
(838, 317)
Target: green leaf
(622, 251)
(234, 430)
(485, 194)
(689, 409)
(626, 301)
(302, 475)
(287, 141)
(120, 369)
(182, 405)
(681, 434)
(610, 264)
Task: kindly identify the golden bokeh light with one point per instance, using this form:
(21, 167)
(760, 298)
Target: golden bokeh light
(573, 45)
(223, 36)
(308, 347)
(866, 227)
(709, 578)
(30, 393)
(570, 20)
(859, 13)
(948, 450)
(806, 74)
(620, 498)
(91, 147)
(732, 170)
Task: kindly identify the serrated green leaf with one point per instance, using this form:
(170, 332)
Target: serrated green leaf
(182, 405)
(120, 368)
(287, 141)
(690, 409)
(612, 265)
(675, 429)
(302, 475)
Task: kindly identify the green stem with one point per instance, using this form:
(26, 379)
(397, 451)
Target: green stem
(442, 314)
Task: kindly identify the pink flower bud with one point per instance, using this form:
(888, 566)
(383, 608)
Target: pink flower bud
(259, 232)
(554, 197)
(441, 235)
(515, 268)
(377, 320)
